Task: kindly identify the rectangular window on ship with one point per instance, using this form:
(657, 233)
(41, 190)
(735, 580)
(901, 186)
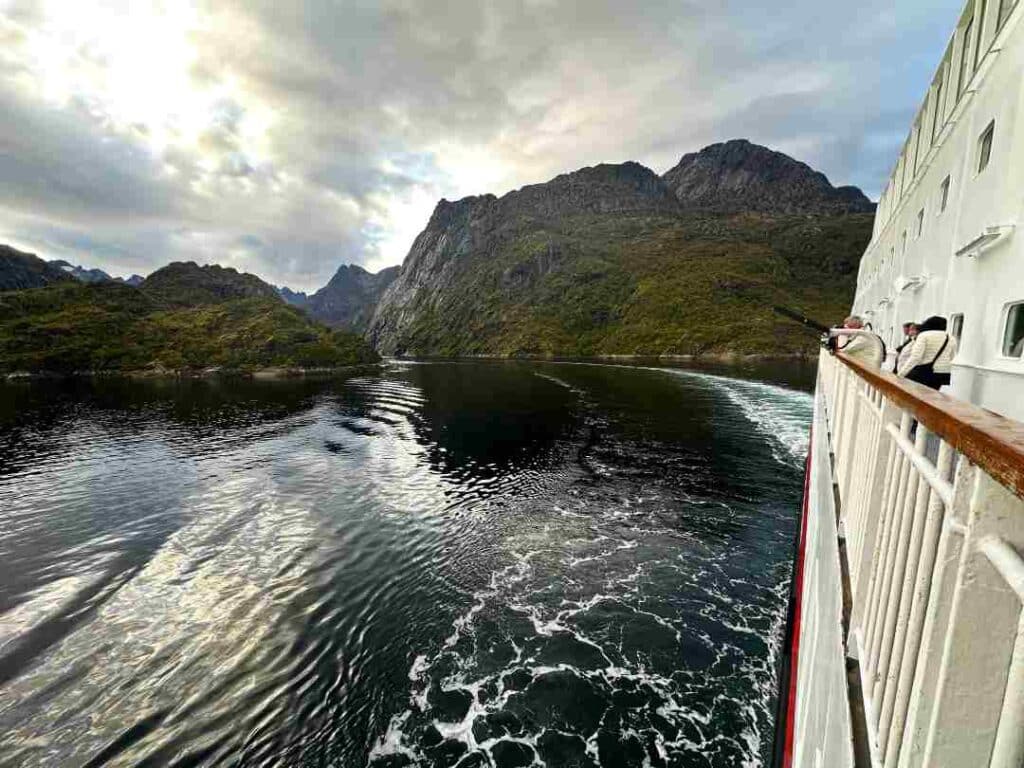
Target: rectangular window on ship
(920, 222)
(944, 194)
(1013, 334)
(985, 146)
(956, 326)
(1005, 9)
(966, 57)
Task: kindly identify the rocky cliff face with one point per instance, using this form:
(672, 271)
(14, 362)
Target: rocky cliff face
(20, 270)
(350, 298)
(617, 260)
(474, 228)
(739, 176)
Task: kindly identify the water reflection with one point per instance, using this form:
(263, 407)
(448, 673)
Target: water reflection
(441, 563)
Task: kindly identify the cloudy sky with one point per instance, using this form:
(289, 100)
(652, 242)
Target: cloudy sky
(286, 138)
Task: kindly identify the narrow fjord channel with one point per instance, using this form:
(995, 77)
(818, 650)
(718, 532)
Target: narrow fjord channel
(442, 564)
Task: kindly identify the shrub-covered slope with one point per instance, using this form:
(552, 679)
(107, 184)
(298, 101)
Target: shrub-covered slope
(113, 327)
(185, 283)
(636, 284)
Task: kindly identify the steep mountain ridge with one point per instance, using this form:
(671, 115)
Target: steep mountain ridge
(20, 270)
(350, 297)
(738, 176)
(614, 259)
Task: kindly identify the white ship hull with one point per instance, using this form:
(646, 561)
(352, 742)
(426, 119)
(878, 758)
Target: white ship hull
(947, 237)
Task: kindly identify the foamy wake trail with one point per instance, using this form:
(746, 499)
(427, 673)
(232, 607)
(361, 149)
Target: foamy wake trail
(781, 415)
(612, 632)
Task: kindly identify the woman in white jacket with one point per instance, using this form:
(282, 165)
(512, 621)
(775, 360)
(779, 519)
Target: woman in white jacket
(929, 360)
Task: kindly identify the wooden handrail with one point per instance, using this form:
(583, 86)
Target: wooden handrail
(990, 441)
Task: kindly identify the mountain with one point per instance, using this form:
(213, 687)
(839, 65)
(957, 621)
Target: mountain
(81, 273)
(87, 275)
(740, 176)
(185, 319)
(185, 283)
(26, 270)
(617, 260)
(351, 296)
(295, 298)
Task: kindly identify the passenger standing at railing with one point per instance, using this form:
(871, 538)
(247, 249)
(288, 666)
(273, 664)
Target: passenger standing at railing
(866, 347)
(909, 334)
(929, 360)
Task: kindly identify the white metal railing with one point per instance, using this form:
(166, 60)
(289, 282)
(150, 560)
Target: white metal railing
(932, 513)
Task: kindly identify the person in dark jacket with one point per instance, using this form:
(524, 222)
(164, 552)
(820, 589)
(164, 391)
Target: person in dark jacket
(929, 360)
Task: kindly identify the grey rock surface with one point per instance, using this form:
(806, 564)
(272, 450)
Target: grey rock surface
(348, 301)
(737, 176)
(476, 226)
(19, 270)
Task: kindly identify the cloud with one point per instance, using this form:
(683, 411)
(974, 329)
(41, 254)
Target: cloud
(288, 138)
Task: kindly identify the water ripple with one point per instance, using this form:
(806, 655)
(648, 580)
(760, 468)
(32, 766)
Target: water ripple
(472, 564)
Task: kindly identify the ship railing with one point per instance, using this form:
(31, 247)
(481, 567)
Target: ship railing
(931, 515)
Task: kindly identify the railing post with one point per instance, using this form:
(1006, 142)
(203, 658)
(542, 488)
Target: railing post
(879, 473)
(937, 619)
(882, 572)
(979, 645)
(845, 450)
(913, 605)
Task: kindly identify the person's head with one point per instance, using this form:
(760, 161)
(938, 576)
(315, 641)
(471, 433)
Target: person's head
(933, 323)
(910, 329)
(853, 321)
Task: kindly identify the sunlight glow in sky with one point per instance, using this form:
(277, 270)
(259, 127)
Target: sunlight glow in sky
(287, 139)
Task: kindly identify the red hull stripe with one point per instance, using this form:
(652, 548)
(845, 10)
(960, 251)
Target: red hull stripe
(798, 585)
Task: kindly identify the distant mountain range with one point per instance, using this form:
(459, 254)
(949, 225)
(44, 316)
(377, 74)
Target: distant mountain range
(607, 260)
(346, 302)
(19, 269)
(180, 319)
(94, 275)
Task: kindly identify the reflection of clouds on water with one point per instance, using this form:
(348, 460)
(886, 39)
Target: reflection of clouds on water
(437, 562)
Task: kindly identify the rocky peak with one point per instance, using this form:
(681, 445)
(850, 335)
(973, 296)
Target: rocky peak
(738, 176)
(350, 297)
(295, 298)
(187, 283)
(605, 188)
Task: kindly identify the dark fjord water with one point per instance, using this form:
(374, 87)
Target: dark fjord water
(471, 564)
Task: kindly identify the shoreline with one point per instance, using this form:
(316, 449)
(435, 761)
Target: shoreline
(258, 374)
(274, 373)
(715, 357)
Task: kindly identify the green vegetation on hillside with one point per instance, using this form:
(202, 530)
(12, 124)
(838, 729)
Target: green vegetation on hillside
(112, 327)
(186, 284)
(646, 284)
